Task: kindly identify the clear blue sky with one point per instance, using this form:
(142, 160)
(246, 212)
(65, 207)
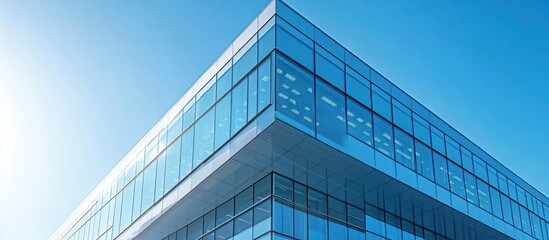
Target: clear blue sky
(82, 81)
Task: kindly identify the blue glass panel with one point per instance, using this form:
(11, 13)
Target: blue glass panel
(136, 212)
(452, 150)
(127, 206)
(356, 234)
(337, 230)
(516, 215)
(318, 228)
(151, 150)
(195, 229)
(300, 223)
(175, 127)
(329, 68)
(492, 176)
(205, 98)
(264, 84)
(471, 188)
(283, 216)
(204, 138)
(224, 232)
(117, 211)
(456, 179)
(266, 38)
(294, 44)
(246, 62)
(358, 87)
(187, 149)
(188, 114)
(441, 170)
(466, 159)
(224, 80)
(173, 157)
(438, 140)
(330, 114)
(502, 183)
(421, 129)
(480, 168)
(383, 136)
(293, 17)
(402, 116)
(329, 44)
(149, 177)
(239, 106)
(224, 212)
(162, 139)
(222, 121)
(506, 207)
(404, 149)
(160, 171)
(243, 226)
(359, 122)
(496, 203)
(252, 95)
(295, 96)
(484, 196)
(381, 102)
(357, 64)
(262, 218)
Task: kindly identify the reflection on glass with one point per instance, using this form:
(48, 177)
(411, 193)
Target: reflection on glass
(239, 106)
(203, 138)
(359, 122)
(383, 136)
(404, 149)
(222, 121)
(330, 110)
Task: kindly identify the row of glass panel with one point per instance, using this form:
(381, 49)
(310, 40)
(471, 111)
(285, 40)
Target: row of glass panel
(186, 152)
(240, 65)
(309, 47)
(297, 212)
(316, 106)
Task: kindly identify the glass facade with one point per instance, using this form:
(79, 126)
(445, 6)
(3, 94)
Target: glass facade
(321, 89)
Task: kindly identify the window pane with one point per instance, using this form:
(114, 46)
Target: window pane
(239, 106)
(359, 121)
(441, 170)
(358, 87)
(295, 97)
(300, 223)
(222, 121)
(195, 229)
(244, 200)
(480, 168)
(317, 201)
(421, 129)
(318, 228)
(262, 218)
(438, 140)
(456, 179)
(172, 164)
(243, 226)
(262, 189)
(293, 43)
(424, 159)
(151, 150)
(206, 98)
(337, 209)
(402, 116)
(203, 138)
(330, 110)
(383, 136)
(224, 212)
(329, 68)
(136, 197)
(127, 206)
(484, 196)
(266, 38)
(160, 170)
(283, 187)
(252, 95)
(224, 80)
(506, 207)
(496, 203)
(186, 153)
(175, 127)
(452, 150)
(188, 115)
(467, 159)
(404, 149)
(149, 177)
(283, 216)
(381, 102)
(246, 62)
(337, 230)
(471, 188)
(264, 84)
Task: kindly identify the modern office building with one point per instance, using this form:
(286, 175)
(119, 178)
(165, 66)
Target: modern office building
(288, 135)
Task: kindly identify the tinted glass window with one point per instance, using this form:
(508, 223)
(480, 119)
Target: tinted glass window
(359, 122)
(252, 95)
(424, 160)
(188, 114)
(484, 196)
(224, 80)
(160, 170)
(222, 121)
(404, 149)
(149, 177)
(421, 129)
(239, 106)
(383, 136)
(441, 170)
(456, 179)
(381, 102)
(293, 43)
(264, 84)
(295, 96)
(172, 164)
(438, 140)
(402, 116)
(246, 62)
(187, 147)
(330, 111)
(329, 68)
(206, 98)
(452, 150)
(480, 168)
(358, 87)
(203, 138)
(175, 127)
